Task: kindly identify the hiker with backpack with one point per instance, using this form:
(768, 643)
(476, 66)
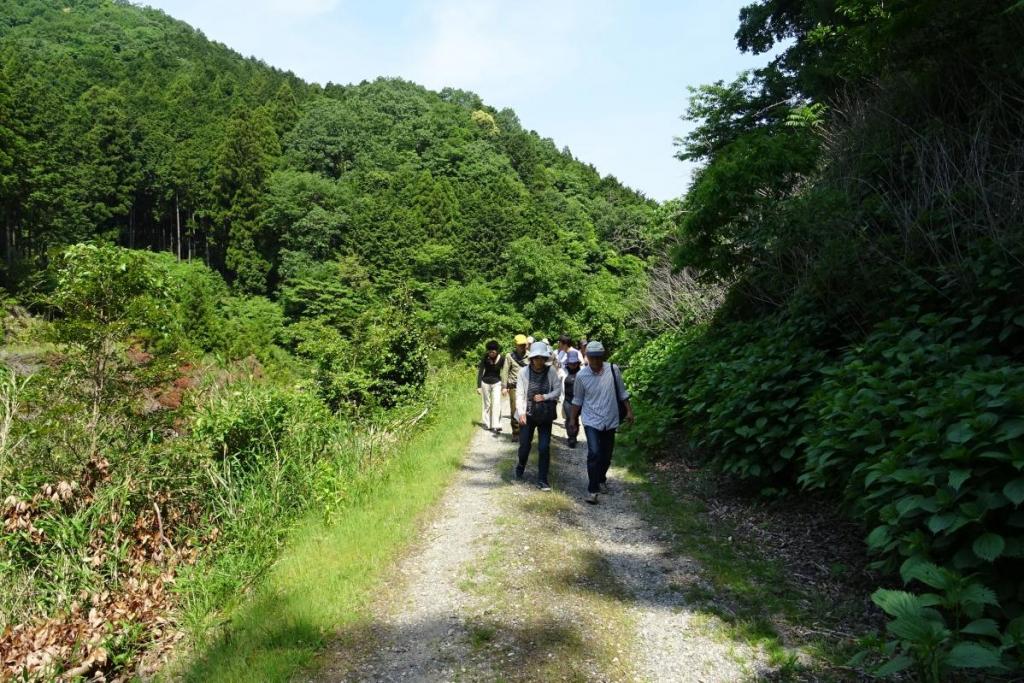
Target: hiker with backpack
(537, 392)
(572, 366)
(514, 362)
(561, 355)
(489, 386)
(601, 401)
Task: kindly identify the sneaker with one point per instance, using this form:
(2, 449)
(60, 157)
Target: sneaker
(543, 486)
(591, 498)
(519, 474)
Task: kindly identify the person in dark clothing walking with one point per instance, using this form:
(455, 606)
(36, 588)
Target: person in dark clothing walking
(514, 362)
(538, 390)
(598, 394)
(572, 366)
(488, 385)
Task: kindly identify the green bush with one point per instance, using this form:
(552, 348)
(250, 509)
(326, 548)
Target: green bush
(198, 294)
(737, 393)
(245, 423)
(945, 630)
(465, 315)
(249, 326)
(384, 364)
(918, 427)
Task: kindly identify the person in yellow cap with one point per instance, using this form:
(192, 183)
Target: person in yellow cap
(514, 362)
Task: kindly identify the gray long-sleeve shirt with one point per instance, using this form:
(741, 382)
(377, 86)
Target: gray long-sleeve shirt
(596, 393)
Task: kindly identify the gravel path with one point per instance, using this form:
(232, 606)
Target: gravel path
(673, 643)
(420, 631)
(427, 616)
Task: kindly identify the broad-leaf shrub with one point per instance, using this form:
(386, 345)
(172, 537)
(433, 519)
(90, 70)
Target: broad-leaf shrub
(737, 393)
(919, 427)
(923, 431)
(945, 629)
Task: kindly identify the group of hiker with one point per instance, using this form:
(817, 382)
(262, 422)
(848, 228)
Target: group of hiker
(535, 377)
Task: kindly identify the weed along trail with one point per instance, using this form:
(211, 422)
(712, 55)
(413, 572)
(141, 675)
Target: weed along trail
(420, 632)
(512, 583)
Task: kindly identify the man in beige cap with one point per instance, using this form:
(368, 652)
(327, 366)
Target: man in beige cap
(514, 362)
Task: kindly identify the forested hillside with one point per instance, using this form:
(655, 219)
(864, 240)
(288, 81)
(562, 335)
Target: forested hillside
(859, 203)
(229, 297)
(122, 124)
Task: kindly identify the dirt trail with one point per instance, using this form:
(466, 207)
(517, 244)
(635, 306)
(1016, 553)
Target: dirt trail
(510, 583)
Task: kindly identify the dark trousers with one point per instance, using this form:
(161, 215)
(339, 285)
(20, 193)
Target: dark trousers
(543, 447)
(600, 444)
(571, 430)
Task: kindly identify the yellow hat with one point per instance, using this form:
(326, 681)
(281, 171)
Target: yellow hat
(520, 339)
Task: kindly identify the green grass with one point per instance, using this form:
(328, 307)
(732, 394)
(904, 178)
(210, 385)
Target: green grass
(325, 579)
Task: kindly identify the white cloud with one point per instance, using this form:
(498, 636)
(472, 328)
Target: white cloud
(500, 49)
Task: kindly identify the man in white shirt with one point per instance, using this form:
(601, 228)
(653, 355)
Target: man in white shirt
(598, 391)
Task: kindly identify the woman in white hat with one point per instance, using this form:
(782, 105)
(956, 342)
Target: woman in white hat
(537, 392)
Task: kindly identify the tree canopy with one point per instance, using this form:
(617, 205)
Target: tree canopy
(130, 127)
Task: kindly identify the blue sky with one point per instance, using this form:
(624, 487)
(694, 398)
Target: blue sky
(606, 78)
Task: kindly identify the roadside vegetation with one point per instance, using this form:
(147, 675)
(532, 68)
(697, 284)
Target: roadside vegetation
(154, 461)
(857, 221)
(330, 568)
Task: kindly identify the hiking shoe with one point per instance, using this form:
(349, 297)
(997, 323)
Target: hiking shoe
(543, 486)
(591, 498)
(572, 443)
(603, 486)
(519, 474)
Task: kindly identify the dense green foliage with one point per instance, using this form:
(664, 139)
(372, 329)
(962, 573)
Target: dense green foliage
(162, 432)
(919, 427)
(860, 198)
(333, 201)
(242, 287)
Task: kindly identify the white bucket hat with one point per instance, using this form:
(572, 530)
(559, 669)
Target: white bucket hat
(595, 348)
(538, 349)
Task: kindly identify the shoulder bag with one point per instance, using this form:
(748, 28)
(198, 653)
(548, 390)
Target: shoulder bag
(616, 374)
(541, 411)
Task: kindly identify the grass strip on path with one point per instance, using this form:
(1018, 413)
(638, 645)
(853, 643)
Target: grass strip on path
(327, 575)
(744, 594)
(542, 595)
